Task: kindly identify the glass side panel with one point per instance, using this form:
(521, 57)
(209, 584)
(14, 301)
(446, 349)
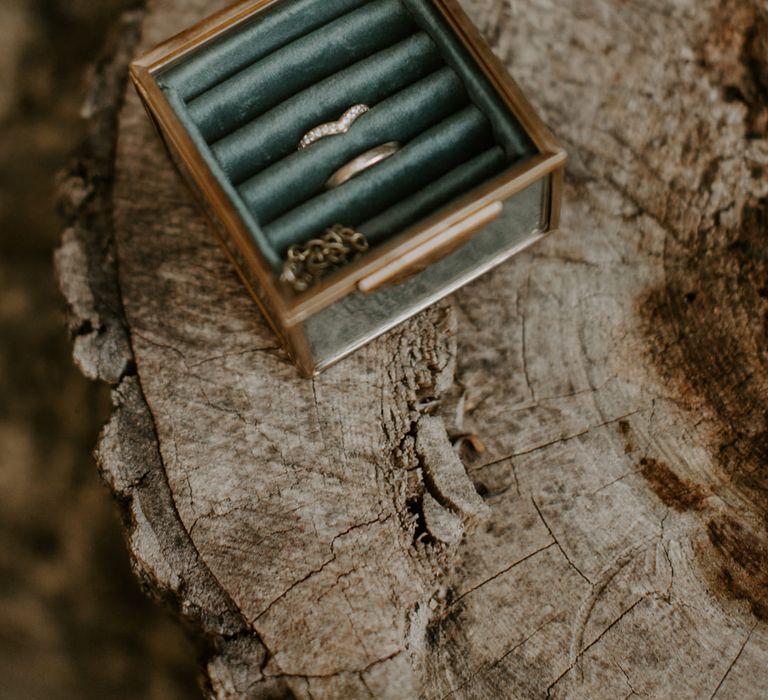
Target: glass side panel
(358, 318)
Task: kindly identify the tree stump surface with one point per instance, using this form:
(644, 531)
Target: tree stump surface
(552, 485)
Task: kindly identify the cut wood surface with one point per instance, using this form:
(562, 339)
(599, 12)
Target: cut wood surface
(552, 485)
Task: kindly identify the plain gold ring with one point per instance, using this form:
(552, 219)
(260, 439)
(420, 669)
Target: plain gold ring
(362, 163)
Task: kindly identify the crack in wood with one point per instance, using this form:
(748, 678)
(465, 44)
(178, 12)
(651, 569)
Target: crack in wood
(597, 639)
(733, 663)
(503, 571)
(557, 543)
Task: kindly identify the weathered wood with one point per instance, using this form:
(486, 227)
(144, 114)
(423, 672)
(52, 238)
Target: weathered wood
(324, 535)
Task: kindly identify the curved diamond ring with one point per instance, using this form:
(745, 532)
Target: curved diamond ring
(341, 126)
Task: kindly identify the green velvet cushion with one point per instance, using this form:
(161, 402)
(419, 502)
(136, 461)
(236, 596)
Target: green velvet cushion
(506, 128)
(247, 97)
(266, 83)
(226, 55)
(442, 147)
(435, 195)
(276, 134)
(401, 117)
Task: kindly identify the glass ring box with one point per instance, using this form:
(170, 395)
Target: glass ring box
(467, 177)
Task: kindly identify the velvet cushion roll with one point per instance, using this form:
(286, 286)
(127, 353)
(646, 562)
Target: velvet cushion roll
(257, 38)
(424, 159)
(505, 126)
(264, 84)
(277, 133)
(302, 174)
(435, 195)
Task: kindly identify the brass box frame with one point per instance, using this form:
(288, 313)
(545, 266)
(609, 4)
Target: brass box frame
(398, 259)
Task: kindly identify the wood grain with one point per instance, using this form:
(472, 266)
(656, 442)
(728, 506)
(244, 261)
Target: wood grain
(610, 540)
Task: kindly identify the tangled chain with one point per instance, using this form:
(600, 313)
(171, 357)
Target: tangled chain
(307, 262)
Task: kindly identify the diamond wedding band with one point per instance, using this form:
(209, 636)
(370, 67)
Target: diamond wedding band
(341, 126)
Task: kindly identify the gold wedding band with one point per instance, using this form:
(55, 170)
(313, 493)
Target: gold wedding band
(362, 163)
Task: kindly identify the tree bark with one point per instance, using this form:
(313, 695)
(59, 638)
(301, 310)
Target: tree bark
(601, 534)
